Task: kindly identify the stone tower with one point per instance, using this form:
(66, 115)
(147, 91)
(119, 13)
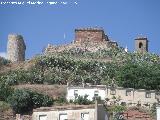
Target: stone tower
(15, 48)
(90, 34)
(141, 44)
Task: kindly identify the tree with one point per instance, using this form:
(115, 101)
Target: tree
(23, 100)
(20, 101)
(139, 75)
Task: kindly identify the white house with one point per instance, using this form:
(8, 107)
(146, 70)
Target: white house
(71, 112)
(91, 91)
(128, 96)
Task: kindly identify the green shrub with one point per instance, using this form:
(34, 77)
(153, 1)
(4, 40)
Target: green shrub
(82, 100)
(61, 100)
(46, 101)
(117, 110)
(24, 100)
(4, 106)
(5, 91)
(20, 101)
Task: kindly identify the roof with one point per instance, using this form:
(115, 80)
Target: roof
(104, 87)
(141, 38)
(65, 107)
(88, 87)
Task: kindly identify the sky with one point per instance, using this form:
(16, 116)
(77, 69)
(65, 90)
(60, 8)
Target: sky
(40, 25)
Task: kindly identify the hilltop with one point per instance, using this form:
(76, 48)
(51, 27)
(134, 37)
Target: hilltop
(42, 80)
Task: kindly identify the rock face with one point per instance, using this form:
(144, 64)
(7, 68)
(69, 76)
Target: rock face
(15, 48)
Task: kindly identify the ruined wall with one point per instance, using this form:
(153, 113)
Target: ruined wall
(15, 48)
(90, 35)
(91, 39)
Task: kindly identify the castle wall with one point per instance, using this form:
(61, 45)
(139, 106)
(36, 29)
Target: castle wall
(89, 35)
(91, 39)
(15, 48)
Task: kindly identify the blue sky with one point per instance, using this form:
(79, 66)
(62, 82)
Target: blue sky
(122, 20)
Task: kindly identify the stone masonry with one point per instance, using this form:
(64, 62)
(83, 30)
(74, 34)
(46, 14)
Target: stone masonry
(90, 34)
(141, 44)
(15, 48)
(91, 39)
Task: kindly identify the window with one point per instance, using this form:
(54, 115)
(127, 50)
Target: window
(148, 95)
(42, 117)
(113, 92)
(140, 45)
(84, 116)
(76, 93)
(96, 93)
(63, 116)
(128, 92)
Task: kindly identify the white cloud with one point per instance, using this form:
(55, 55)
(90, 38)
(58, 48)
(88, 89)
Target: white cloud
(3, 54)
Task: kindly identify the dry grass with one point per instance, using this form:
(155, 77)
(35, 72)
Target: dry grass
(53, 91)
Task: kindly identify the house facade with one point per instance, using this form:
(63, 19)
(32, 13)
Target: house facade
(91, 91)
(119, 95)
(71, 112)
(132, 97)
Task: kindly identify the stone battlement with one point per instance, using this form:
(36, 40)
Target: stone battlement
(90, 29)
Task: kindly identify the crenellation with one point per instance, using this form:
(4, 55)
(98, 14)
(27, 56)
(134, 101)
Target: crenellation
(90, 28)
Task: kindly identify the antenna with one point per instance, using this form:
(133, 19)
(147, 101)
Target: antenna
(64, 36)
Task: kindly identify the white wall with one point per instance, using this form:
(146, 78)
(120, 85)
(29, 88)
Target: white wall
(158, 113)
(70, 114)
(141, 96)
(85, 91)
(137, 95)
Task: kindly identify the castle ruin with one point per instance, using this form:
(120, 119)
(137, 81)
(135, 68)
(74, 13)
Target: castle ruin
(15, 48)
(90, 34)
(86, 39)
(90, 39)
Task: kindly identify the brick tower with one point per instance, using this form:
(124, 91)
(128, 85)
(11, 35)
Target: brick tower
(141, 44)
(15, 48)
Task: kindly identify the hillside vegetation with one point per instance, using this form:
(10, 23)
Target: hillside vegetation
(19, 82)
(135, 70)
